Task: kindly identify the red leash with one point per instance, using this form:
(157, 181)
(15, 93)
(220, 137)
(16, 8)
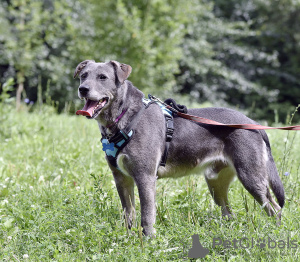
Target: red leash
(240, 126)
(202, 120)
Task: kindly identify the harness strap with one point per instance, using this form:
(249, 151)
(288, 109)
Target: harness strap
(113, 145)
(169, 123)
(169, 136)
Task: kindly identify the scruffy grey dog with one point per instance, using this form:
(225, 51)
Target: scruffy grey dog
(220, 152)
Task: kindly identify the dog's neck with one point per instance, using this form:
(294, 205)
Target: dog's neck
(128, 98)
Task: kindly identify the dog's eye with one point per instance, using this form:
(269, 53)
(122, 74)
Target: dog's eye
(102, 77)
(84, 75)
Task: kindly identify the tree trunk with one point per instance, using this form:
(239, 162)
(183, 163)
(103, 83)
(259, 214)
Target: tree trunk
(20, 74)
(20, 89)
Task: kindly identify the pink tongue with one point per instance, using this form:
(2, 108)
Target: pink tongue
(88, 108)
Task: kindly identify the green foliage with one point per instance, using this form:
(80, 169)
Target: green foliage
(279, 27)
(39, 40)
(227, 61)
(147, 34)
(6, 88)
(58, 200)
(5, 101)
(239, 53)
(274, 64)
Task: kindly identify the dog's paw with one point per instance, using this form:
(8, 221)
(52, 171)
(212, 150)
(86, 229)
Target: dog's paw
(228, 216)
(149, 232)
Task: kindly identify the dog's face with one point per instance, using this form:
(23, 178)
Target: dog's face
(99, 83)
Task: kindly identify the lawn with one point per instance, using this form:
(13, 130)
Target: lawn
(58, 201)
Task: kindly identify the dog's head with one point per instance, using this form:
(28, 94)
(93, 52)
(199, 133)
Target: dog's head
(99, 83)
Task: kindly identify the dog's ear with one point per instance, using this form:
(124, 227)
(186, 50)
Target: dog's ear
(122, 70)
(81, 66)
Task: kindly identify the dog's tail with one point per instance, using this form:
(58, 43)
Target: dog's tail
(274, 179)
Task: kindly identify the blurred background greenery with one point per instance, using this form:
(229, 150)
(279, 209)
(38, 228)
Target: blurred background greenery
(239, 53)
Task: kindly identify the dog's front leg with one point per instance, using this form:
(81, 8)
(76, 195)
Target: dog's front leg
(125, 187)
(146, 188)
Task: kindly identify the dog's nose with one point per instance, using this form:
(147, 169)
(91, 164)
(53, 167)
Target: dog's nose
(83, 90)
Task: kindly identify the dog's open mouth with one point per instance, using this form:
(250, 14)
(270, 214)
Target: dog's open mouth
(92, 108)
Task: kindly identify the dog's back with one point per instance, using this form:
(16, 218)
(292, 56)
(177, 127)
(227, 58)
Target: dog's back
(223, 152)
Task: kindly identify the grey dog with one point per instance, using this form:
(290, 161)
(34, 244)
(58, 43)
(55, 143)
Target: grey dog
(219, 152)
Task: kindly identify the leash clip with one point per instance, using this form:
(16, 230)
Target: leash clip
(155, 99)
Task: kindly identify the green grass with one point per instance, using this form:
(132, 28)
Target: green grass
(58, 201)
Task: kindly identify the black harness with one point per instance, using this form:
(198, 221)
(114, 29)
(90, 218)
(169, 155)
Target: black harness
(168, 114)
(112, 146)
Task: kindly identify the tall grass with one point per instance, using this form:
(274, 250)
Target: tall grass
(58, 200)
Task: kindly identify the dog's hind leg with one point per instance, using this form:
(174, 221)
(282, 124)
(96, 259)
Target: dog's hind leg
(253, 172)
(258, 187)
(125, 187)
(218, 179)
